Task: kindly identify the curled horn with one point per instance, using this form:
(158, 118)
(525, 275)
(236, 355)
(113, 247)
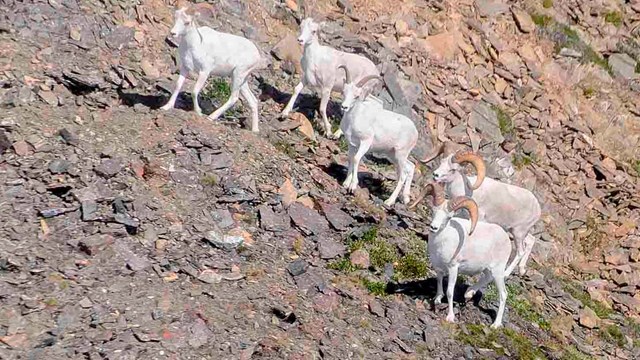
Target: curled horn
(476, 161)
(471, 206)
(346, 73)
(431, 188)
(368, 78)
(445, 148)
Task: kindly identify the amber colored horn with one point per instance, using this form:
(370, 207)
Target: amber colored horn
(476, 161)
(466, 202)
(366, 79)
(433, 189)
(446, 148)
(346, 73)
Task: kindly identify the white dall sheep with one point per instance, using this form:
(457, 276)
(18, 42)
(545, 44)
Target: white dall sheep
(469, 247)
(320, 70)
(367, 126)
(514, 208)
(206, 51)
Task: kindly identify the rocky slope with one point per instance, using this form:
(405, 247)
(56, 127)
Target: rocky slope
(131, 233)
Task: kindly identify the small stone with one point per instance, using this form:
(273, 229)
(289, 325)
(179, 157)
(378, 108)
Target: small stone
(617, 257)
(376, 308)
(305, 127)
(92, 244)
(59, 166)
(221, 161)
(108, 168)
(89, 209)
(148, 69)
(161, 244)
(588, 318)
(360, 258)
(523, 20)
(330, 249)
(68, 137)
(21, 148)
(85, 303)
(226, 242)
(49, 97)
(339, 219)
(297, 267)
(623, 66)
(75, 34)
(308, 220)
(210, 277)
(126, 220)
(288, 193)
(402, 28)
(271, 221)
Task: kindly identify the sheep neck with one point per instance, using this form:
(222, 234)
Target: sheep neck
(312, 45)
(191, 37)
(459, 186)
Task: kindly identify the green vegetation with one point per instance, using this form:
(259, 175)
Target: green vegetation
(521, 160)
(571, 353)
(51, 302)
(501, 341)
(565, 37)
(518, 303)
(298, 245)
(343, 265)
(377, 288)
(547, 4)
(286, 148)
(638, 67)
(614, 18)
(414, 263)
(505, 123)
(589, 92)
(217, 90)
(343, 144)
(577, 293)
(636, 164)
(613, 335)
(209, 180)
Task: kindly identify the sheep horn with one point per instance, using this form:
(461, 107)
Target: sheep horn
(429, 189)
(476, 161)
(346, 73)
(471, 206)
(445, 148)
(366, 79)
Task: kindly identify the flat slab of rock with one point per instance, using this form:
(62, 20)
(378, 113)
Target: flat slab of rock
(339, 219)
(308, 220)
(330, 249)
(270, 221)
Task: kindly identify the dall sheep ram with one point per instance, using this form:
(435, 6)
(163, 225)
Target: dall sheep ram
(320, 70)
(469, 247)
(206, 51)
(514, 208)
(367, 126)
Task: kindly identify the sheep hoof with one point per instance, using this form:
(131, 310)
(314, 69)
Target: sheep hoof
(469, 294)
(495, 325)
(437, 300)
(389, 203)
(522, 271)
(284, 115)
(451, 318)
(166, 107)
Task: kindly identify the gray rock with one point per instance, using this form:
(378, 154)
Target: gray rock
(221, 161)
(5, 143)
(490, 8)
(126, 220)
(485, 120)
(108, 168)
(68, 137)
(297, 267)
(59, 166)
(223, 241)
(308, 220)
(623, 66)
(570, 53)
(523, 20)
(223, 218)
(330, 249)
(339, 219)
(89, 209)
(271, 221)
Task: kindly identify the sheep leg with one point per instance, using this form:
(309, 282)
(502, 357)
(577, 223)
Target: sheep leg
(401, 174)
(484, 280)
(296, 93)
(202, 78)
(498, 276)
(406, 191)
(439, 292)
(529, 241)
(174, 96)
(518, 237)
(324, 102)
(352, 153)
(252, 102)
(236, 84)
(451, 285)
(365, 144)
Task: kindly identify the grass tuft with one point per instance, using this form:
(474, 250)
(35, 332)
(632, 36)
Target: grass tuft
(599, 308)
(505, 123)
(209, 180)
(547, 4)
(377, 288)
(614, 18)
(286, 147)
(613, 335)
(589, 92)
(343, 265)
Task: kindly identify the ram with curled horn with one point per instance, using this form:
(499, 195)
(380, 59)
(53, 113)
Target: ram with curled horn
(461, 246)
(514, 208)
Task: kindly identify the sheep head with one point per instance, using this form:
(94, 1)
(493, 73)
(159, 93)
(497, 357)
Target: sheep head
(434, 189)
(187, 15)
(353, 92)
(309, 31)
(453, 162)
(443, 213)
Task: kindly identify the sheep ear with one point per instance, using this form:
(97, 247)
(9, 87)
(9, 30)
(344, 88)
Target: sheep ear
(322, 25)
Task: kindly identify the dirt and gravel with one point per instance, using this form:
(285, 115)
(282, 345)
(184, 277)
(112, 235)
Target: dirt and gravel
(127, 232)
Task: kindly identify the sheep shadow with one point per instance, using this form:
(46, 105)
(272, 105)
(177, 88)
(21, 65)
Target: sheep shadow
(307, 104)
(427, 289)
(151, 101)
(367, 180)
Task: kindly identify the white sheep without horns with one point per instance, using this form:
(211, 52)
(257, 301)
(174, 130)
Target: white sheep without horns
(320, 70)
(205, 51)
(367, 126)
(469, 247)
(514, 208)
